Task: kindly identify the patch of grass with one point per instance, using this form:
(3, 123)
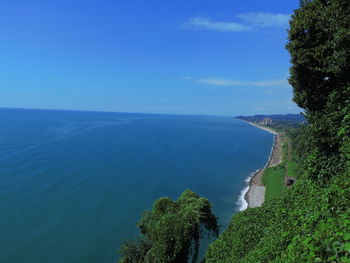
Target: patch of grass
(273, 179)
(292, 169)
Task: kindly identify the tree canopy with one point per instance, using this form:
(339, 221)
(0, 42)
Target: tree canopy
(172, 230)
(311, 221)
(319, 44)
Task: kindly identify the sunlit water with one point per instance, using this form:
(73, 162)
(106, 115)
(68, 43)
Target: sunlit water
(73, 184)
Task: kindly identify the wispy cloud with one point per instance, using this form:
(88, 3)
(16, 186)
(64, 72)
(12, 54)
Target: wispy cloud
(205, 23)
(236, 83)
(220, 82)
(265, 19)
(246, 22)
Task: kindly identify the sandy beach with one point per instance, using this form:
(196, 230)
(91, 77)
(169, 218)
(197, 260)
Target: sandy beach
(255, 195)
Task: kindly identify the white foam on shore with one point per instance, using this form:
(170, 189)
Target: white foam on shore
(241, 202)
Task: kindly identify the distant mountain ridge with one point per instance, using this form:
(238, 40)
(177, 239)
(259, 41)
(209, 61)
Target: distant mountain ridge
(275, 119)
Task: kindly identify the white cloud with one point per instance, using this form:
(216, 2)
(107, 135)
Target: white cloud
(265, 19)
(220, 82)
(247, 22)
(234, 83)
(269, 83)
(205, 23)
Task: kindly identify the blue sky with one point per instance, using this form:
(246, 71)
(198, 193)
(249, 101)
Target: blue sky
(181, 57)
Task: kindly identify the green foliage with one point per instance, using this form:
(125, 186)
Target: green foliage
(311, 221)
(172, 230)
(135, 251)
(304, 224)
(319, 41)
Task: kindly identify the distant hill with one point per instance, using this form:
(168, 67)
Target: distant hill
(275, 119)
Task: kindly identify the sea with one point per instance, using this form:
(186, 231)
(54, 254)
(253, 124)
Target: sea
(74, 184)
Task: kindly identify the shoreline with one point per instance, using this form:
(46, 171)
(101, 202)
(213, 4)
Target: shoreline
(262, 127)
(253, 195)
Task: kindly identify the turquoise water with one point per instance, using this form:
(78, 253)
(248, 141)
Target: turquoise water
(73, 184)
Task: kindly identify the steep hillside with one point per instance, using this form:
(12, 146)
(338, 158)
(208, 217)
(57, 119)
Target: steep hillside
(311, 221)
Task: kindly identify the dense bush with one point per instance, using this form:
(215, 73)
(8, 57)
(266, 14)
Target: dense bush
(171, 232)
(305, 224)
(319, 44)
(310, 222)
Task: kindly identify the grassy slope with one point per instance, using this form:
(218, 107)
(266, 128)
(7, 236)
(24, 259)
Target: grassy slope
(273, 177)
(292, 169)
(306, 223)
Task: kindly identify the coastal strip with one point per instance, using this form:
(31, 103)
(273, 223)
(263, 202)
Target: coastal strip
(254, 194)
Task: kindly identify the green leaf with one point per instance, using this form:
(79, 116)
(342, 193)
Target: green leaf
(347, 236)
(347, 247)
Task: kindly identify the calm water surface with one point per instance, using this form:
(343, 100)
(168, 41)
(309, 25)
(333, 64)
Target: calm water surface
(73, 184)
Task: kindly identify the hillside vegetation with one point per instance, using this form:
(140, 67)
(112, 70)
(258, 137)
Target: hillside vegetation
(311, 221)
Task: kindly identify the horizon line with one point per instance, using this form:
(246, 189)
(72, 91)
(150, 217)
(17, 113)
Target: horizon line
(144, 113)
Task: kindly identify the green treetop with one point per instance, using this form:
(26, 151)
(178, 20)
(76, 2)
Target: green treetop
(319, 44)
(172, 230)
